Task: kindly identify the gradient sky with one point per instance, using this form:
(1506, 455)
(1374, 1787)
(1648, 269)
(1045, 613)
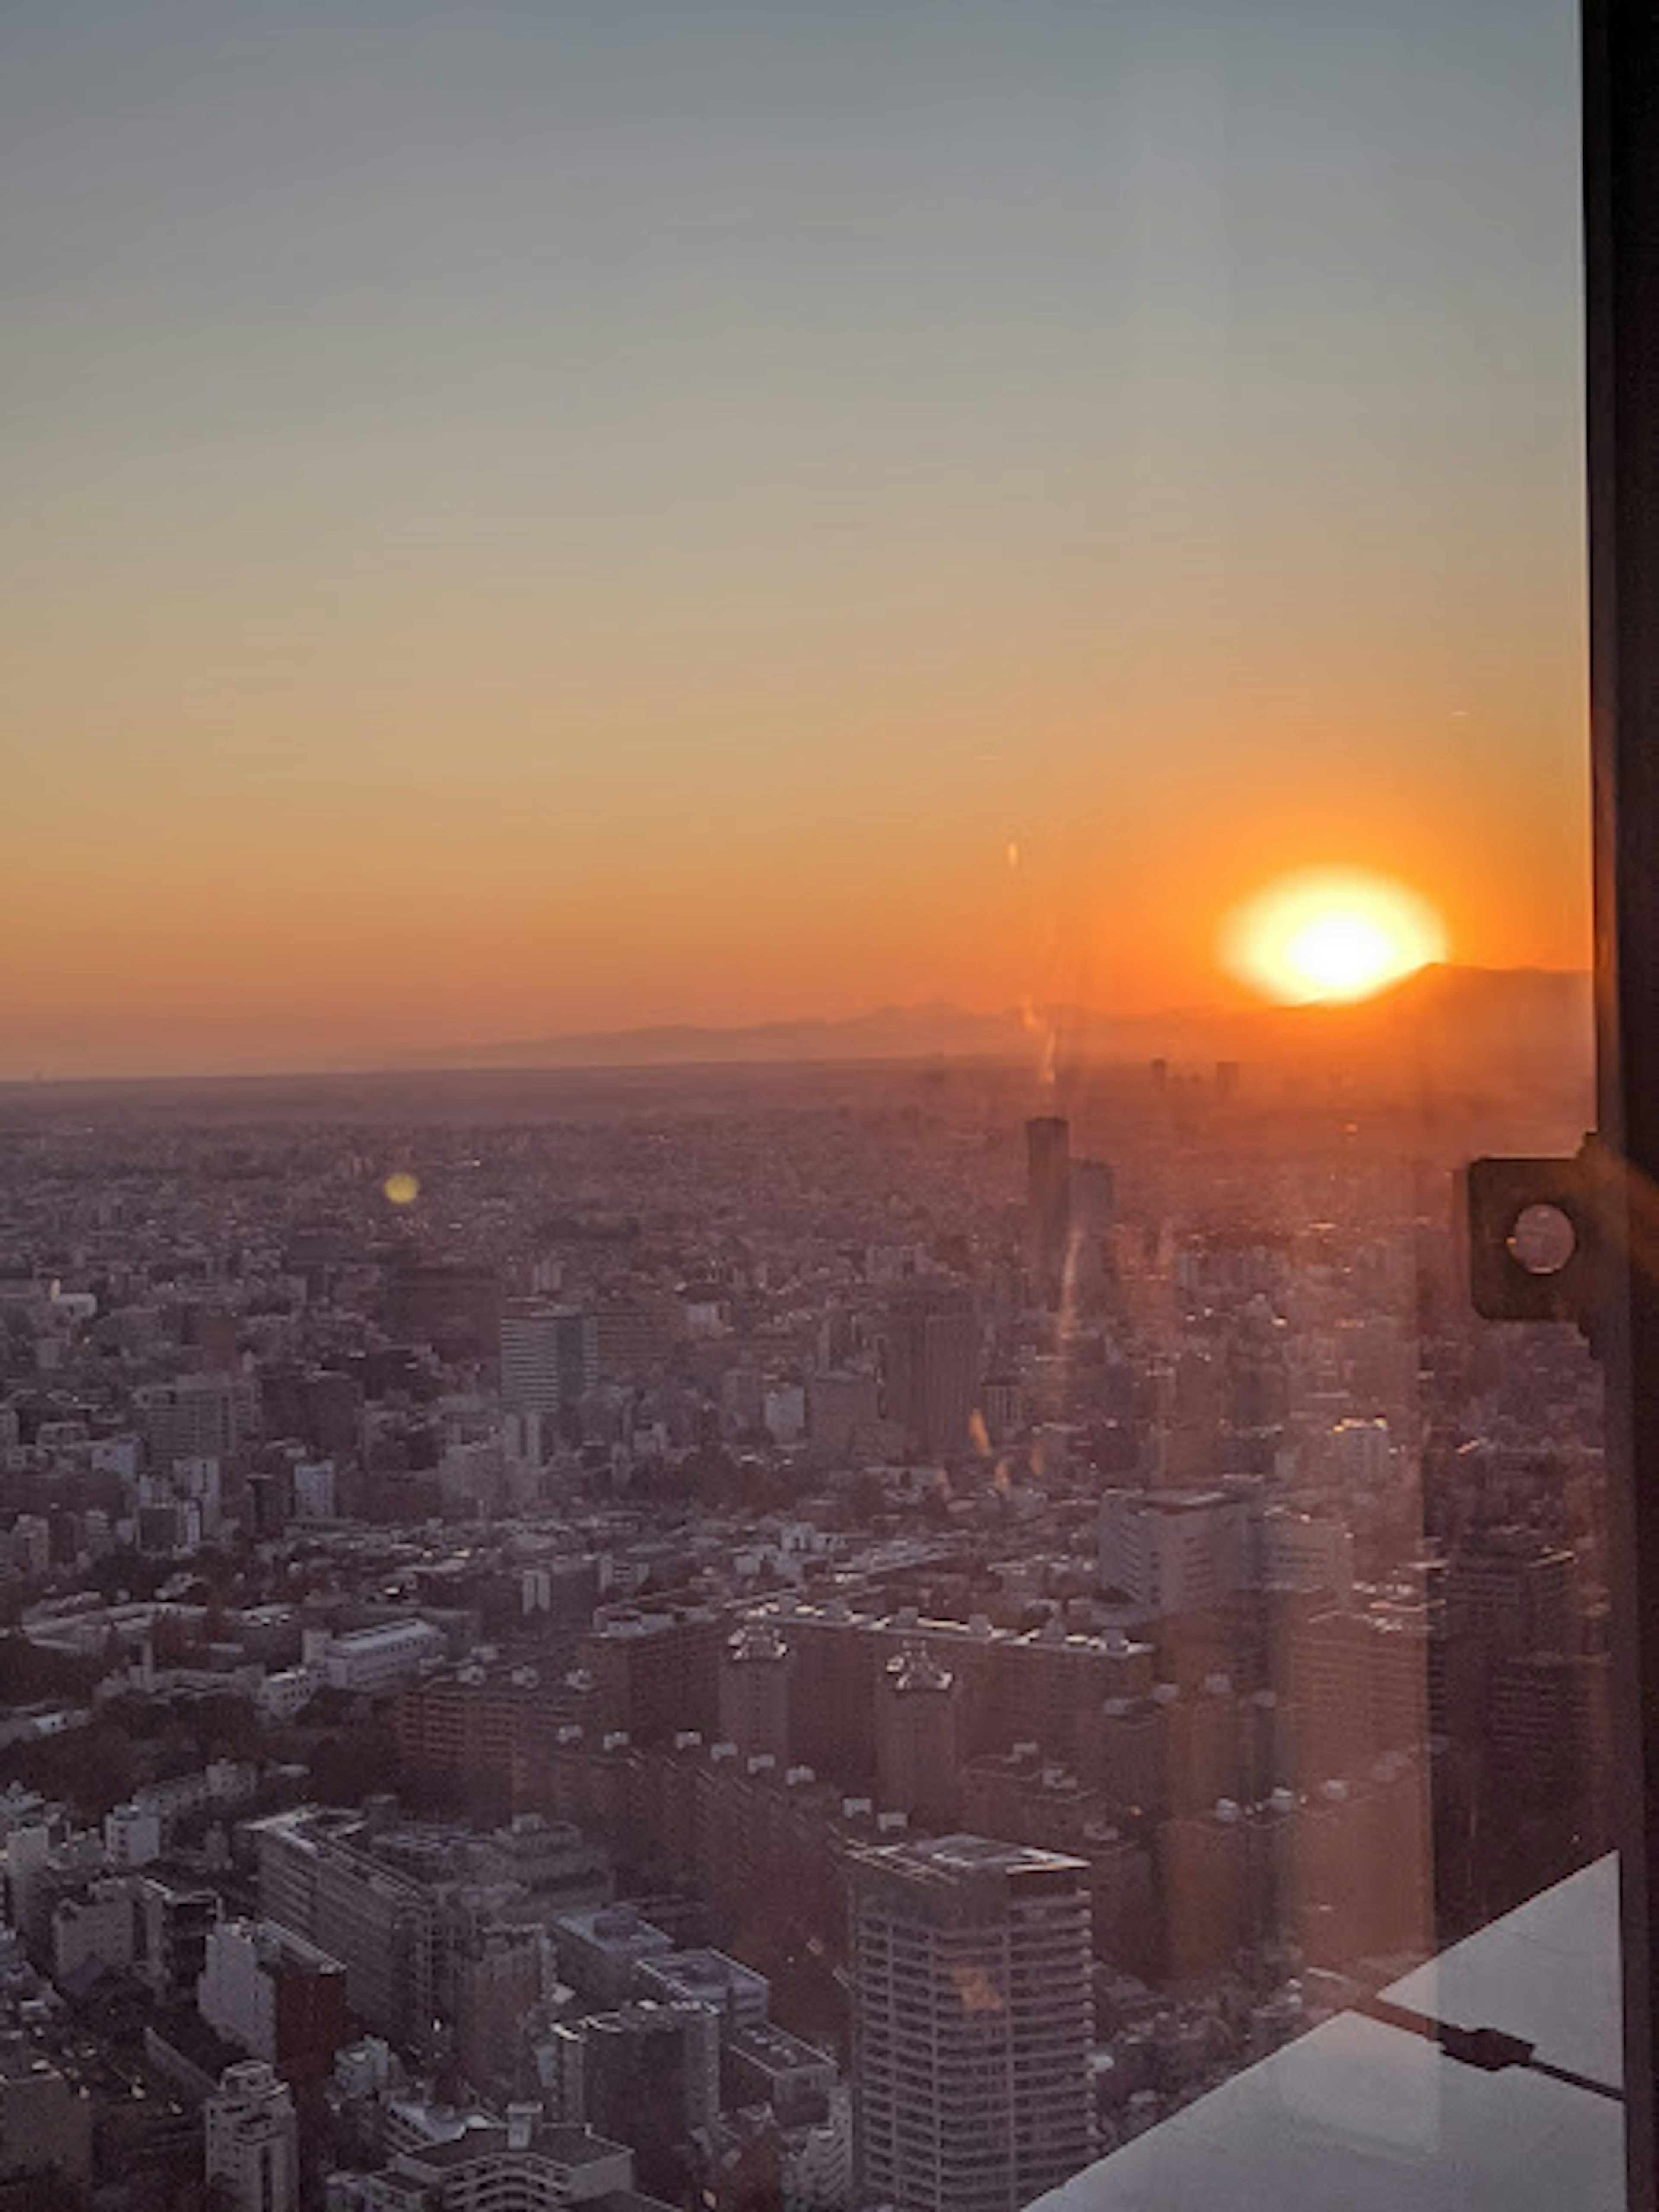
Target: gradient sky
(540, 515)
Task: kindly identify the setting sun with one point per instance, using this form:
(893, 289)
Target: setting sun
(1330, 935)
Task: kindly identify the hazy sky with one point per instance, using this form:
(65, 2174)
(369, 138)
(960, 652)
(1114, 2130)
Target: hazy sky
(556, 513)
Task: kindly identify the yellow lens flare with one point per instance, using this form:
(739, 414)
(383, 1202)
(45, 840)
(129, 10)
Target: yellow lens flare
(1330, 935)
(400, 1188)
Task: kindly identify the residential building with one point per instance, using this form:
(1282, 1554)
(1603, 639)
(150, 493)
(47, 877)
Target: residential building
(251, 2140)
(274, 1995)
(972, 2022)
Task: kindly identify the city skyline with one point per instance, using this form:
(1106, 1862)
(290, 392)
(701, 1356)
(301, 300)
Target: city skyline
(775, 1645)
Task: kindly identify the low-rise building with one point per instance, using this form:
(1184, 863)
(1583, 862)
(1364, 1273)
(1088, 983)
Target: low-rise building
(45, 2125)
(275, 1995)
(371, 1661)
(250, 2140)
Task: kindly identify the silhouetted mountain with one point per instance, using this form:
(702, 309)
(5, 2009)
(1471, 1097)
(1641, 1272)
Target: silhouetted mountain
(889, 1033)
(1449, 1025)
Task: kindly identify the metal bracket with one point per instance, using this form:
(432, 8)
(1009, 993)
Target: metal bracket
(1498, 1191)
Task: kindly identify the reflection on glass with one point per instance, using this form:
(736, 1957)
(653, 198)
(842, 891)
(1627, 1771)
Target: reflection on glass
(791, 783)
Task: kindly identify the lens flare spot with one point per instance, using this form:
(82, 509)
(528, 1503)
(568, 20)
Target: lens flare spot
(975, 1990)
(1327, 935)
(400, 1188)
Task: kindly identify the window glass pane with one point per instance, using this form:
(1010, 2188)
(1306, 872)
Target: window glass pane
(789, 786)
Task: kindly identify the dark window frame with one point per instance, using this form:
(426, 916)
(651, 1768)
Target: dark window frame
(1622, 231)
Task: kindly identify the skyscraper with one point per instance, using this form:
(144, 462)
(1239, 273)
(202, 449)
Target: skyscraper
(1092, 1191)
(1048, 1202)
(550, 1356)
(932, 1367)
(972, 2023)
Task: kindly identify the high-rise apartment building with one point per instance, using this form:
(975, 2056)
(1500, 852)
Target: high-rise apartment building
(972, 2022)
(252, 2140)
(757, 1673)
(655, 1670)
(917, 1738)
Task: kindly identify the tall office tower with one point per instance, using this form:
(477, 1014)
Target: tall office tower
(252, 2140)
(550, 1356)
(1048, 1202)
(917, 1702)
(757, 1673)
(972, 2023)
(1255, 1389)
(931, 1369)
(1090, 1262)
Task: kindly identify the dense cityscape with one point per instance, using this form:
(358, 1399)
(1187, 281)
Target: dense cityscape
(831, 1638)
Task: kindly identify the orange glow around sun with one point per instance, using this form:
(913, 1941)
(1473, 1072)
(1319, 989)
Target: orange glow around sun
(1330, 935)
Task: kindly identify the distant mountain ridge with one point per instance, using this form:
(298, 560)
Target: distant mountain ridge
(886, 1033)
(1451, 1019)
